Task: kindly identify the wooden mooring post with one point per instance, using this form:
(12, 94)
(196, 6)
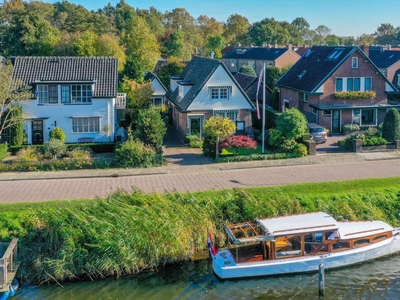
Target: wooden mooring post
(8, 264)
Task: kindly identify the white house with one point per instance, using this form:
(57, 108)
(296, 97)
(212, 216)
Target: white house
(203, 89)
(159, 89)
(76, 94)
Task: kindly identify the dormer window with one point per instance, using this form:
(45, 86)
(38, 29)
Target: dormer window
(354, 62)
(47, 94)
(75, 93)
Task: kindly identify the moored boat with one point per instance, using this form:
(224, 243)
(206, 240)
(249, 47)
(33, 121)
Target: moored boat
(299, 243)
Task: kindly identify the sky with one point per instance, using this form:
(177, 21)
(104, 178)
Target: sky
(343, 17)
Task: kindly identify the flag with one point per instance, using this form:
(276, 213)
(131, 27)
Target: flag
(260, 78)
(212, 250)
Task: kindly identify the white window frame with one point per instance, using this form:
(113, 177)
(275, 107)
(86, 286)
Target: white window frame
(286, 104)
(81, 93)
(233, 63)
(47, 94)
(230, 114)
(86, 125)
(220, 92)
(354, 62)
(345, 87)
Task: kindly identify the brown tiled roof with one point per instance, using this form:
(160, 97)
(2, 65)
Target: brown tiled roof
(102, 71)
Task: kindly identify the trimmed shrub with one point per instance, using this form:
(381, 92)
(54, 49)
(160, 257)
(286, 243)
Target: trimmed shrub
(300, 150)
(235, 142)
(194, 141)
(391, 125)
(58, 133)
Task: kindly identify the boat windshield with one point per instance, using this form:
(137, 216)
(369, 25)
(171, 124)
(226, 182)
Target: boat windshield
(244, 232)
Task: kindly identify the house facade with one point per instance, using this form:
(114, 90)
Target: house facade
(256, 57)
(77, 94)
(206, 88)
(336, 85)
(159, 90)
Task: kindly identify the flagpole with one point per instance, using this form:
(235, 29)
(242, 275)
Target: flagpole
(263, 112)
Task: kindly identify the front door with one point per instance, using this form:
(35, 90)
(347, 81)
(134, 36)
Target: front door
(336, 121)
(37, 132)
(195, 126)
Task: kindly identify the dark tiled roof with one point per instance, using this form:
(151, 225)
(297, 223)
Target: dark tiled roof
(259, 53)
(64, 69)
(197, 73)
(384, 59)
(244, 80)
(315, 67)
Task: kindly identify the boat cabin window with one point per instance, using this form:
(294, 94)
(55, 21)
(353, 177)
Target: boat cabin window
(288, 246)
(341, 246)
(314, 242)
(380, 238)
(361, 242)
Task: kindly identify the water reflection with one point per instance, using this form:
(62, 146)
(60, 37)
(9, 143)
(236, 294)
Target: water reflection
(375, 280)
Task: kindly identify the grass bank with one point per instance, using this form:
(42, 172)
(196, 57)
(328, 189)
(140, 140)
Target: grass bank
(127, 233)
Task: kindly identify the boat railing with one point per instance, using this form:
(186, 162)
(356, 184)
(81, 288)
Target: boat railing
(8, 262)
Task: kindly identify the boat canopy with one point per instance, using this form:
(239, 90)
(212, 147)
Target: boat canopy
(354, 230)
(268, 229)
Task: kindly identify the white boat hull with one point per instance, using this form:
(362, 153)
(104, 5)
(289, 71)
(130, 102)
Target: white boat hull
(225, 267)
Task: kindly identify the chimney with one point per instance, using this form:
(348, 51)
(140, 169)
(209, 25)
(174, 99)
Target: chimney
(365, 49)
(290, 47)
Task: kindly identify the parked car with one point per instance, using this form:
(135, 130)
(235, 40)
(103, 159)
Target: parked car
(318, 133)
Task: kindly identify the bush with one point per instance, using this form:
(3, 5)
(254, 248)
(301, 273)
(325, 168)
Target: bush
(134, 154)
(300, 150)
(79, 153)
(373, 141)
(29, 154)
(351, 127)
(3, 151)
(54, 148)
(235, 142)
(194, 141)
(391, 125)
(208, 146)
(58, 133)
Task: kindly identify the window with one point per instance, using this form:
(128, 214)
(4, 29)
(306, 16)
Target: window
(231, 114)
(339, 84)
(81, 93)
(65, 94)
(47, 94)
(326, 112)
(314, 110)
(220, 92)
(233, 63)
(368, 84)
(181, 91)
(335, 53)
(157, 101)
(286, 104)
(353, 84)
(354, 62)
(362, 242)
(87, 125)
(364, 117)
(305, 98)
(379, 238)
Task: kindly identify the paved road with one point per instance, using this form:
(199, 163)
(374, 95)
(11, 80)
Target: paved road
(189, 178)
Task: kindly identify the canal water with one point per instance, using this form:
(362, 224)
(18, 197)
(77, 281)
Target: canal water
(379, 279)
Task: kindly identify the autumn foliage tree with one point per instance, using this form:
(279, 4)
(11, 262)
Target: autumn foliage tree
(217, 128)
(235, 142)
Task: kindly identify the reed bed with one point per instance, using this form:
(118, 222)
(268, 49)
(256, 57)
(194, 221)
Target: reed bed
(130, 232)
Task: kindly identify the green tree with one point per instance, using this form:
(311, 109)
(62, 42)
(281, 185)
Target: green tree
(236, 30)
(171, 68)
(219, 128)
(391, 125)
(215, 43)
(151, 128)
(11, 95)
(332, 40)
(270, 31)
(385, 34)
(245, 69)
(29, 34)
(17, 128)
(176, 46)
(142, 49)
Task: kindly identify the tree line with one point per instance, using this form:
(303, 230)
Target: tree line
(138, 37)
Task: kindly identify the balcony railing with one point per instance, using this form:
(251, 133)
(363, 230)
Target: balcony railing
(120, 103)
